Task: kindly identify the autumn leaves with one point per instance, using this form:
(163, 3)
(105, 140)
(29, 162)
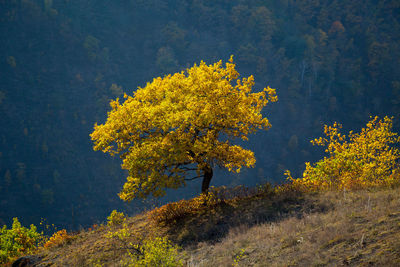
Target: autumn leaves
(181, 126)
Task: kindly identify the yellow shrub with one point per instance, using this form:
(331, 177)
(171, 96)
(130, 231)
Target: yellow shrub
(115, 218)
(158, 251)
(57, 239)
(359, 160)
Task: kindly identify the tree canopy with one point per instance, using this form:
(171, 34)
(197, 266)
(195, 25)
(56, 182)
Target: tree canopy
(181, 126)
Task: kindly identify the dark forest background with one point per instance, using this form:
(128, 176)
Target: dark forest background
(62, 61)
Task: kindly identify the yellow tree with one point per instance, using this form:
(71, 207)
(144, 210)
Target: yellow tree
(179, 127)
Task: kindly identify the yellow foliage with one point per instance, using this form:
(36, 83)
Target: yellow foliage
(359, 160)
(18, 240)
(180, 123)
(124, 233)
(57, 239)
(158, 251)
(115, 218)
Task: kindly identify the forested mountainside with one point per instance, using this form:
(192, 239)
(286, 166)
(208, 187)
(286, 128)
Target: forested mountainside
(62, 61)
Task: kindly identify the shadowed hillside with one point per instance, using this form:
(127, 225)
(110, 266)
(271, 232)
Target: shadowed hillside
(259, 229)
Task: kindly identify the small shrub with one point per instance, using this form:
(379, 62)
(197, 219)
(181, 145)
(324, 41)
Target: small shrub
(123, 234)
(57, 239)
(157, 251)
(360, 160)
(239, 256)
(18, 240)
(180, 209)
(116, 218)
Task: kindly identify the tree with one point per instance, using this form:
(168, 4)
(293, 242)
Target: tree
(179, 127)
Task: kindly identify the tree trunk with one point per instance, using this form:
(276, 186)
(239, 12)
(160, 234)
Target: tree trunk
(208, 174)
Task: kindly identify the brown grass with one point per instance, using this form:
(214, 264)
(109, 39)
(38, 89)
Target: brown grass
(359, 229)
(289, 229)
(94, 248)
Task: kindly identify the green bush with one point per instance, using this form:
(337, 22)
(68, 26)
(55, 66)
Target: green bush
(18, 240)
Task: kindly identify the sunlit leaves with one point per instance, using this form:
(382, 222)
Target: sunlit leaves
(58, 238)
(359, 160)
(18, 240)
(183, 122)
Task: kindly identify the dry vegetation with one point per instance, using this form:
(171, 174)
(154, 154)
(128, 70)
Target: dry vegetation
(270, 229)
(358, 229)
(91, 248)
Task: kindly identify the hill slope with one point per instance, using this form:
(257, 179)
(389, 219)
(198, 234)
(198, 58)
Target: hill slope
(290, 229)
(62, 61)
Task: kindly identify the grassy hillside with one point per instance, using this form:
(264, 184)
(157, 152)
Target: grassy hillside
(256, 228)
(315, 220)
(334, 228)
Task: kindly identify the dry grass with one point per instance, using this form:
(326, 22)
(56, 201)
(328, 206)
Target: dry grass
(94, 248)
(359, 229)
(291, 229)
